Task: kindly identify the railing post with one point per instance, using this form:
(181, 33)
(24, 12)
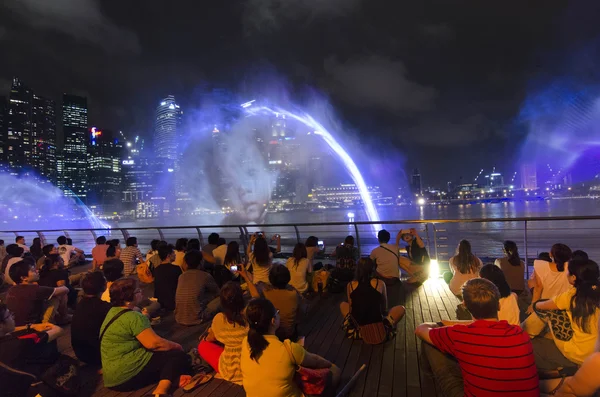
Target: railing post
(428, 239)
(357, 239)
(244, 238)
(526, 252)
(125, 234)
(160, 233)
(200, 236)
(435, 241)
(297, 234)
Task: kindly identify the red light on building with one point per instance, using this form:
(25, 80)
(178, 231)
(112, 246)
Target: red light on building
(95, 132)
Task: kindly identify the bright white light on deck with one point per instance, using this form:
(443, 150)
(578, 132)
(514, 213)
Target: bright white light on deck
(421, 201)
(350, 215)
(434, 269)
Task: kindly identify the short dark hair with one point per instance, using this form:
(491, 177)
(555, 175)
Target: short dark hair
(69, 241)
(311, 241)
(131, 241)
(349, 240)
(193, 244)
(579, 254)
(114, 242)
(279, 276)
(213, 238)
(561, 254)
(94, 283)
(164, 251)
(154, 244)
(111, 251)
(122, 291)
(181, 244)
(101, 240)
(47, 249)
(481, 298)
(383, 236)
(18, 238)
(19, 270)
(61, 240)
(113, 269)
(222, 241)
(14, 250)
(193, 259)
(545, 256)
(1, 242)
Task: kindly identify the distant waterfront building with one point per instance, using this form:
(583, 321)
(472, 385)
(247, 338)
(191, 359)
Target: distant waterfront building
(167, 129)
(494, 179)
(75, 131)
(18, 137)
(344, 194)
(105, 155)
(529, 176)
(43, 134)
(416, 183)
(3, 127)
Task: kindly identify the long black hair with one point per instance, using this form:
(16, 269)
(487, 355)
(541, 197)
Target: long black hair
(232, 303)
(364, 270)
(232, 256)
(512, 253)
(464, 260)
(496, 275)
(299, 254)
(262, 254)
(260, 313)
(49, 262)
(561, 254)
(586, 300)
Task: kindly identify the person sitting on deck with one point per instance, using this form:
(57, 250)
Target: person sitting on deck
(417, 253)
(485, 358)
(88, 318)
(285, 298)
(153, 249)
(388, 260)
(14, 255)
(32, 303)
(367, 304)
(71, 255)
(193, 245)
(180, 250)
(197, 294)
(229, 329)
(30, 348)
(319, 274)
(133, 355)
(464, 266)
(131, 256)
(207, 250)
(268, 365)
(166, 277)
(36, 248)
(227, 271)
(20, 241)
(509, 308)
(513, 267)
(220, 252)
(48, 249)
(99, 253)
(298, 266)
(260, 258)
(53, 274)
(572, 317)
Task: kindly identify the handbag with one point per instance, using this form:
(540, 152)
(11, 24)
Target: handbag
(63, 377)
(310, 381)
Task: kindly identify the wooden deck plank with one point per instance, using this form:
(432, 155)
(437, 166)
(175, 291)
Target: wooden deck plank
(399, 384)
(364, 357)
(421, 304)
(413, 384)
(372, 380)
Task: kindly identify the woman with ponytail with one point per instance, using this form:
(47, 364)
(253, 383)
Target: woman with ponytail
(575, 334)
(549, 278)
(268, 365)
(228, 328)
(513, 267)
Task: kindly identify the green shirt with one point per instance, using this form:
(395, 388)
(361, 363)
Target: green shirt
(123, 356)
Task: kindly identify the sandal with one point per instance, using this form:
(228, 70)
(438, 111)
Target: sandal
(197, 380)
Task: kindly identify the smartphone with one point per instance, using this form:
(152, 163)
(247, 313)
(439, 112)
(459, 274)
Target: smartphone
(233, 268)
(342, 244)
(321, 244)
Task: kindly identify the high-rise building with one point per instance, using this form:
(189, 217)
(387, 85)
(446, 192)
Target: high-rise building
(43, 137)
(167, 129)
(529, 176)
(416, 184)
(3, 127)
(105, 155)
(18, 137)
(139, 176)
(75, 130)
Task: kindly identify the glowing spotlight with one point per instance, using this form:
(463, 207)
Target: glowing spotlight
(421, 201)
(351, 216)
(434, 269)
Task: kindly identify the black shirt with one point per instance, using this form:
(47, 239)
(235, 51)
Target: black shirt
(417, 254)
(166, 277)
(51, 278)
(85, 329)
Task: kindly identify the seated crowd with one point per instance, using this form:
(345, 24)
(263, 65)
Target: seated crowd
(254, 308)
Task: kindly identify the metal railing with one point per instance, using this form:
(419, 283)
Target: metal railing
(532, 234)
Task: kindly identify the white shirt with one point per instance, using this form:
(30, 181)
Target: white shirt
(458, 278)
(260, 273)
(219, 254)
(509, 309)
(25, 248)
(387, 260)
(10, 262)
(553, 283)
(298, 273)
(65, 252)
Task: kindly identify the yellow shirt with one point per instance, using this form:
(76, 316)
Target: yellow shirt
(273, 374)
(581, 344)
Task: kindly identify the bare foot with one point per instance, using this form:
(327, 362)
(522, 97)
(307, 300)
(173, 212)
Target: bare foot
(184, 380)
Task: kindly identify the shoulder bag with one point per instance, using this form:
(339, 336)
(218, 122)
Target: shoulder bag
(310, 381)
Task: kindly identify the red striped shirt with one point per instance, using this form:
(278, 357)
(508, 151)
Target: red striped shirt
(496, 358)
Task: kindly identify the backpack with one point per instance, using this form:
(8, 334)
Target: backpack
(144, 272)
(345, 258)
(63, 377)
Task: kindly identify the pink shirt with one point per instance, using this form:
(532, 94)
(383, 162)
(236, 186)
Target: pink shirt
(99, 253)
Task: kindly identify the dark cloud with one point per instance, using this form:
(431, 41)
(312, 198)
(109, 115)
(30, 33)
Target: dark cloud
(379, 82)
(81, 19)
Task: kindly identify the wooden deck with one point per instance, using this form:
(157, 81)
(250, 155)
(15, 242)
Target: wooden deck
(392, 369)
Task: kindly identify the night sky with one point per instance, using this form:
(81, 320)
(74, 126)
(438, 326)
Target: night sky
(441, 82)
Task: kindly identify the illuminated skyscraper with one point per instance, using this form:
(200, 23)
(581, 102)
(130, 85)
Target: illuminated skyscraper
(416, 183)
(43, 137)
(104, 168)
(3, 127)
(75, 129)
(167, 129)
(529, 176)
(18, 138)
